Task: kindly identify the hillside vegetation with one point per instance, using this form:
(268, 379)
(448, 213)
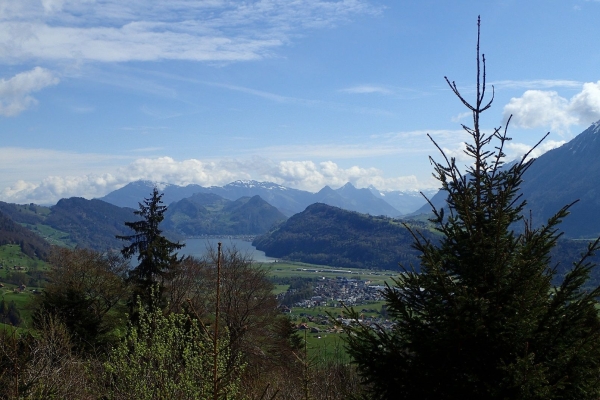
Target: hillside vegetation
(30, 243)
(210, 214)
(328, 235)
(73, 222)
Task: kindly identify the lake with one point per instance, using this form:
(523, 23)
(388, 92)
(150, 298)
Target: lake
(197, 247)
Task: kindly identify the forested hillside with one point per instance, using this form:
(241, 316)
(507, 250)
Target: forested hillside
(328, 235)
(74, 222)
(210, 214)
(30, 243)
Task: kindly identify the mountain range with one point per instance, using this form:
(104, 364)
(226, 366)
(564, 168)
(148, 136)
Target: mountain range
(328, 235)
(287, 200)
(555, 179)
(95, 223)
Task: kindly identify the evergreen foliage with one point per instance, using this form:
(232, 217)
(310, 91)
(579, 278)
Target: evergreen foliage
(482, 319)
(156, 254)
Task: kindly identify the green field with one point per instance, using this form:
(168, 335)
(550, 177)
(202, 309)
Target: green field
(10, 256)
(280, 289)
(326, 347)
(52, 236)
(292, 269)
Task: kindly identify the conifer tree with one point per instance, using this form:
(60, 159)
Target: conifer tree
(482, 320)
(156, 254)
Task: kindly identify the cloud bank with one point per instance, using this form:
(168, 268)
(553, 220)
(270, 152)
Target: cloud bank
(306, 175)
(541, 108)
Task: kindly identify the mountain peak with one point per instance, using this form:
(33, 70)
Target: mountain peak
(254, 184)
(348, 187)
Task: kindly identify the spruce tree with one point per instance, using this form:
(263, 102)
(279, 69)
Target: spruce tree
(156, 254)
(482, 319)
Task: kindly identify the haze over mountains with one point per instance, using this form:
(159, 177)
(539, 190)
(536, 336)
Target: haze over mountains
(287, 200)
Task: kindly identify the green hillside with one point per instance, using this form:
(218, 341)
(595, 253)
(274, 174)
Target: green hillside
(210, 214)
(331, 236)
(73, 222)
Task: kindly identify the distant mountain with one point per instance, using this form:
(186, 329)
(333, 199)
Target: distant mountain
(563, 175)
(438, 200)
(288, 201)
(75, 221)
(360, 200)
(91, 223)
(328, 235)
(211, 214)
(405, 202)
(557, 178)
(133, 193)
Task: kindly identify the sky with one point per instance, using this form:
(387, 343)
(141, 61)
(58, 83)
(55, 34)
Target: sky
(95, 94)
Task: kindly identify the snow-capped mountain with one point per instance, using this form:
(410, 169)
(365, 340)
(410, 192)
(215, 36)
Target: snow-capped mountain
(289, 201)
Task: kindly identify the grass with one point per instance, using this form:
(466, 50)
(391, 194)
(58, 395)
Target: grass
(11, 255)
(280, 289)
(288, 269)
(52, 236)
(24, 302)
(326, 347)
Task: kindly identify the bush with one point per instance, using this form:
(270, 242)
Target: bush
(169, 357)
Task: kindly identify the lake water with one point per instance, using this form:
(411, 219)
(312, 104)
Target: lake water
(197, 247)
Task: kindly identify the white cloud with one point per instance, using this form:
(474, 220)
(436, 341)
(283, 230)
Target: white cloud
(136, 30)
(462, 116)
(517, 150)
(15, 92)
(367, 89)
(536, 84)
(586, 104)
(52, 5)
(458, 153)
(537, 108)
(306, 175)
(540, 108)
(314, 176)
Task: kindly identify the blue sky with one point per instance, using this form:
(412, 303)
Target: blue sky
(306, 93)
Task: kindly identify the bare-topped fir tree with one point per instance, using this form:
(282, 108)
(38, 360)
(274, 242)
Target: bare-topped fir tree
(482, 319)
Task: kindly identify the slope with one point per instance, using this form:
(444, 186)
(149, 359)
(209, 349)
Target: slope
(328, 235)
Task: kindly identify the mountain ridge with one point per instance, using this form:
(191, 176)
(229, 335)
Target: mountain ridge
(288, 200)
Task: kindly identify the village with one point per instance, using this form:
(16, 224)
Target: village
(332, 296)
